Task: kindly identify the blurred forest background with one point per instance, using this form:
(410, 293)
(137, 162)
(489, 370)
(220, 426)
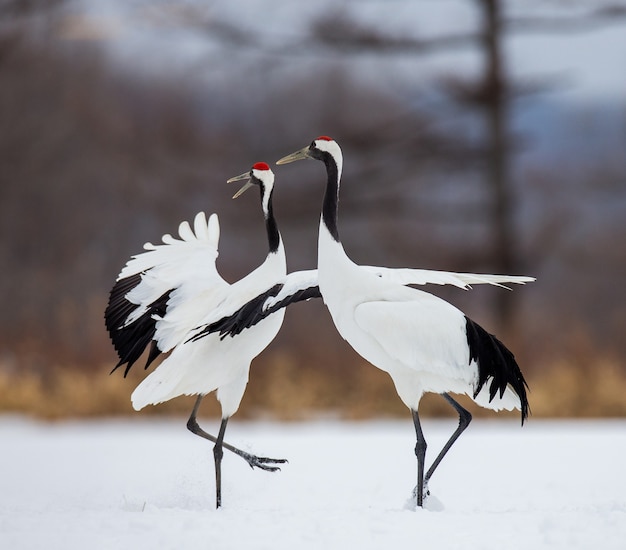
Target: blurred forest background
(473, 141)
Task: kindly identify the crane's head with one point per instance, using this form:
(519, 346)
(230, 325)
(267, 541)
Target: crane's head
(260, 174)
(323, 148)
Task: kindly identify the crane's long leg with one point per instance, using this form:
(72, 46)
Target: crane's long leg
(261, 462)
(420, 453)
(218, 453)
(464, 419)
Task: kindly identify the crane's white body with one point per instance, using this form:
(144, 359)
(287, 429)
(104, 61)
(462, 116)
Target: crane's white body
(200, 296)
(418, 338)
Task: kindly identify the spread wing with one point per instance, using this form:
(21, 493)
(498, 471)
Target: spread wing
(164, 292)
(406, 276)
(295, 287)
(302, 285)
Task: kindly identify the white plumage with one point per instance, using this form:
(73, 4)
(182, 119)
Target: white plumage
(186, 268)
(163, 294)
(408, 276)
(418, 338)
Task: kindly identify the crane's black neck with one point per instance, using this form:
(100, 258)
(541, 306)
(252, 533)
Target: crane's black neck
(273, 235)
(331, 197)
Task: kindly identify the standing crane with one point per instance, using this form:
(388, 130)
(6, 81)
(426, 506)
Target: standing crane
(163, 294)
(422, 341)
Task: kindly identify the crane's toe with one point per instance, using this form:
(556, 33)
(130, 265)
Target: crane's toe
(265, 463)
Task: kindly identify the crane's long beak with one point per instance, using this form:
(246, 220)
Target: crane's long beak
(247, 185)
(298, 155)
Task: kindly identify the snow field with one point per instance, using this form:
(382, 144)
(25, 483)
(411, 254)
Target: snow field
(149, 484)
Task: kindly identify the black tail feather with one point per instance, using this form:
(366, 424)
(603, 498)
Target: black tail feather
(496, 362)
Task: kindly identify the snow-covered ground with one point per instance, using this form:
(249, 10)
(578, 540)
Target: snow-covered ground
(149, 484)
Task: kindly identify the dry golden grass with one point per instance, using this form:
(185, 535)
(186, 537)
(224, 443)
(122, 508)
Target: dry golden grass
(573, 390)
(283, 388)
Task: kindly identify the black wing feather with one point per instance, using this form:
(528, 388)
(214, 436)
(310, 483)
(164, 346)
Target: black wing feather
(252, 312)
(130, 341)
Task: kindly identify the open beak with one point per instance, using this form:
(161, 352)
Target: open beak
(247, 185)
(298, 155)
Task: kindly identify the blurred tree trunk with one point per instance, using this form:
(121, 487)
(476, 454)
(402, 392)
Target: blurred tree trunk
(495, 104)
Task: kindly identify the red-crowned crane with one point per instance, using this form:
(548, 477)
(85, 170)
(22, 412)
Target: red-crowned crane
(422, 341)
(163, 294)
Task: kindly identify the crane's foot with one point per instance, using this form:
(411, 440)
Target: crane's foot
(263, 462)
(429, 502)
(425, 494)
